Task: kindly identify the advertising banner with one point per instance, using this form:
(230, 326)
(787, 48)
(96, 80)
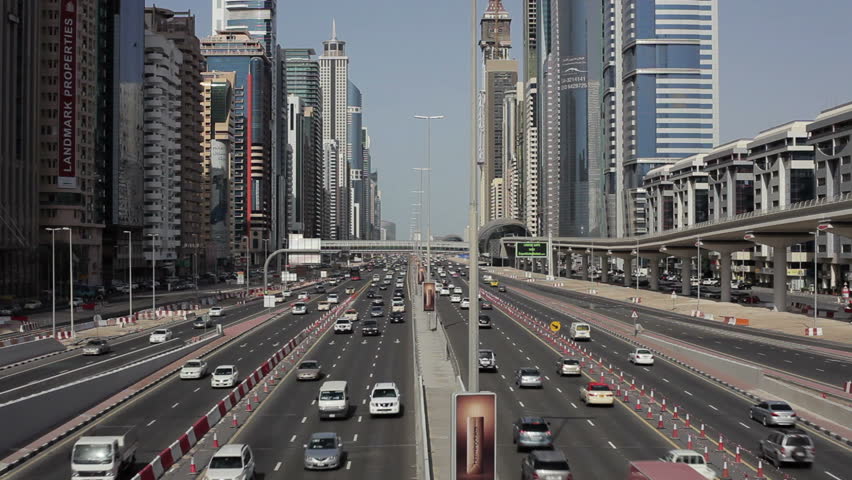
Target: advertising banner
(474, 441)
(421, 275)
(67, 165)
(429, 297)
(241, 278)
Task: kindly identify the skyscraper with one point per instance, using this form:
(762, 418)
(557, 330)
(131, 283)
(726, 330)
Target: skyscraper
(501, 75)
(661, 97)
(360, 173)
(255, 16)
(334, 85)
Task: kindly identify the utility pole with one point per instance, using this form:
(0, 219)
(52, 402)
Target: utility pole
(473, 229)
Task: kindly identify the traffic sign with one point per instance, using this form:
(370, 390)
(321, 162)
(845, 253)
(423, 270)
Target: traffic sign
(555, 326)
(634, 314)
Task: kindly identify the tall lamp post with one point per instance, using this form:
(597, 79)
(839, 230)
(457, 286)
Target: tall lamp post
(248, 265)
(822, 227)
(154, 237)
(429, 119)
(428, 222)
(130, 270)
(53, 275)
(419, 194)
(70, 276)
(473, 222)
(698, 245)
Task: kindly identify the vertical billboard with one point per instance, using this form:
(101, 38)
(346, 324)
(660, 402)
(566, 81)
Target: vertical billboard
(67, 167)
(429, 297)
(474, 438)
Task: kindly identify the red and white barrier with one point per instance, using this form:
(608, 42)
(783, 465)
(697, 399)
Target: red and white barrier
(848, 387)
(635, 299)
(813, 332)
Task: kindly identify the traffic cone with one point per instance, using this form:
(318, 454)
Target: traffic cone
(234, 422)
(215, 440)
(638, 404)
(702, 434)
(737, 457)
(687, 423)
(675, 414)
(674, 430)
(602, 377)
(721, 445)
(256, 397)
(725, 473)
(652, 394)
(626, 396)
(760, 469)
(650, 414)
(689, 442)
(192, 468)
(706, 455)
(633, 384)
(663, 406)
(265, 387)
(642, 391)
(660, 423)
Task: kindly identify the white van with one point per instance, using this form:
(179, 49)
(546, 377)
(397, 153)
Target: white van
(333, 399)
(580, 331)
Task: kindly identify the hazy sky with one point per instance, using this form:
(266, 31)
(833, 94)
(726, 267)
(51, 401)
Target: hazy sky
(780, 60)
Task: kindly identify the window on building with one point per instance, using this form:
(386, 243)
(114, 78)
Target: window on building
(846, 248)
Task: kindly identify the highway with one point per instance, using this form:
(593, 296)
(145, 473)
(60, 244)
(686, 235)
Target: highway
(165, 411)
(380, 447)
(779, 351)
(598, 441)
(720, 409)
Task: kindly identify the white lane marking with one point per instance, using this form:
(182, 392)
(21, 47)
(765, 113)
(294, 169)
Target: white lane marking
(503, 376)
(151, 422)
(243, 345)
(349, 465)
(251, 351)
(545, 377)
(665, 380)
(511, 389)
(835, 477)
(759, 353)
(197, 389)
(820, 370)
(572, 404)
(368, 387)
(590, 422)
(711, 406)
(355, 438)
(314, 401)
(558, 389)
(277, 466)
(611, 445)
(788, 361)
(363, 401)
(333, 365)
(292, 439)
(743, 424)
(687, 392)
(176, 404)
(359, 418)
(521, 404)
(239, 359)
(304, 419)
(646, 369)
(371, 375)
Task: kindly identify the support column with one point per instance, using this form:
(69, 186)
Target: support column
(654, 279)
(725, 273)
(685, 272)
(584, 267)
(604, 269)
(626, 258)
(779, 242)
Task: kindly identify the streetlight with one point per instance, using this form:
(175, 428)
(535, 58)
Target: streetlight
(473, 222)
(130, 269)
(698, 245)
(822, 227)
(153, 236)
(53, 273)
(429, 119)
(71, 276)
(428, 221)
(248, 261)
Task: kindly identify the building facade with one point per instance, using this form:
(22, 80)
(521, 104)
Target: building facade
(388, 230)
(257, 17)
(731, 180)
(359, 176)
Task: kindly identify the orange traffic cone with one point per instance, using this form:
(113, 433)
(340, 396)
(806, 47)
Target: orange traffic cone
(192, 468)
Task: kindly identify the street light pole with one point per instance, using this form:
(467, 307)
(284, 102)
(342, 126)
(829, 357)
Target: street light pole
(429, 119)
(698, 277)
(825, 226)
(71, 276)
(154, 237)
(130, 269)
(248, 266)
(53, 275)
(473, 228)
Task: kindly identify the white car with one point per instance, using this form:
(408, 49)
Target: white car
(455, 298)
(322, 307)
(385, 399)
(299, 308)
(225, 376)
(595, 393)
(445, 291)
(77, 301)
(458, 290)
(332, 298)
(160, 335)
(465, 303)
(303, 296)
(641, 356)
(217, 311)
(32, 305)
(234, 461)
(287, 293)
(193, 369)
(343, 325)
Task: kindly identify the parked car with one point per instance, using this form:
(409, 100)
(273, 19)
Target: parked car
(773, 412)
(97, 346)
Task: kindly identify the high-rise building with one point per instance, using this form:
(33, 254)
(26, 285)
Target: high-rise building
(388, 230)
(371, 187)
(280, 161)
(162, 157)
(334, 86)
(238, 52)
(219, 112)
(69, 180)
(179, 28)
(661, 97)
(255, 16)
(118, 145)
(512, 154)
(20, 56)
(569, 84)
(303, 81)
(501, 75)
(531, 197)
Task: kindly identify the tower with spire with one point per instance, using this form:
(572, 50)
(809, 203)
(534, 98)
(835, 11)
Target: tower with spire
(495, 31)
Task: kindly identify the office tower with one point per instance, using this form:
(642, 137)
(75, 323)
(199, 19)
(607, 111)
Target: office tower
(530, 39)
(529, 123)
(237, 51)
(334, 86)
(512, 155)
(257, 17)
(280, 162)
(19, 154)
(303, 81)
(569, 83)
(179, 28)
(501, 75)
(358, 177)
(388, 230)
(69, 181)
(218, 143)
(661, 101)
(162, 156)
(371, 189)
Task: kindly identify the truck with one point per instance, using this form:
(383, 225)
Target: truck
(660, 470)
(104, 453)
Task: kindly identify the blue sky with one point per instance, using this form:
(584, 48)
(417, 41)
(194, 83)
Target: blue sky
(779, 61)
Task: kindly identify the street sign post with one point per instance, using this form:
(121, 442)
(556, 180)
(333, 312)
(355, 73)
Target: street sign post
(555, 326)
(531, 249)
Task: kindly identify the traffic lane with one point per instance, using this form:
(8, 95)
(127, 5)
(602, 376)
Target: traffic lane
(720, 409)
(41, 376)
(166, 411)
(807, 364)
(598, 442)
(372, 445)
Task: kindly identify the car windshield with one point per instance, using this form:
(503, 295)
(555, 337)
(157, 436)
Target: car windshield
(599, 388)
(96, 343)
(384, 393)
(223, 371)
(558, 465)
(309, 365)
(798, 441)
(331, 395)
(321, 444)
(192, 364)
(529, 372)
(92, 454)
(370, 324)
(535, 427)
(226, 463)
(343, 321)
(781, 407)
(377, 308)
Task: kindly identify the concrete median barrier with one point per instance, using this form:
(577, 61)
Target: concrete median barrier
(806, 400)
(24, 351)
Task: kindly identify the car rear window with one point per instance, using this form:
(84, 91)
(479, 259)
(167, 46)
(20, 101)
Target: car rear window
(226, 463)
(781, 407)
(570, 362)
(798, 441)
(581, 328)
(192, 364)
(559, 465)
(643, 352)
(309, 365)
(599, 388)
(534, 427)
(529, 371)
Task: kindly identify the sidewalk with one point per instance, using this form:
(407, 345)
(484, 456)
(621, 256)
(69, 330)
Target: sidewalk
(439, 378)
(760, 318)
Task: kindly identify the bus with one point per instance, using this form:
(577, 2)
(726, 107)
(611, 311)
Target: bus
(354, 274)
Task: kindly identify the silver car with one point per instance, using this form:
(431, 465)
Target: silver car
(309, 370)
(547, 464)
(773, 412)
(96, 346)
(528, 377)
(532, 432)
(792, 446)
(323, 451)
(568, 366)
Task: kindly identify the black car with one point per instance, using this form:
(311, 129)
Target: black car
(371, 294)
(370, 328)
(397, 317)
(319, 289)
(378, 302)
(501, 288)
(383, 287)
(399, 293)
